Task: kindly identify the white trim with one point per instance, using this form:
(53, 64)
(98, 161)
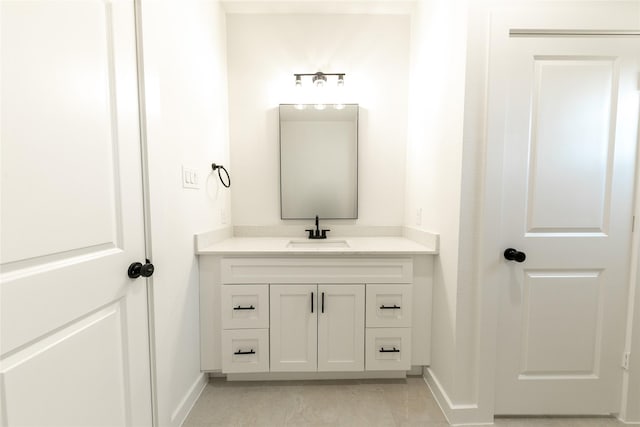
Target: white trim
(456, 414)
(369, 7)
(179, 415)
(629, 413)
(146, 206)
(517, 32)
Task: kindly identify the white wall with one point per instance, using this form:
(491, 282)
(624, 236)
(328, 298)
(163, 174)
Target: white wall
(265, 51)
(434, 171)
(186, 110)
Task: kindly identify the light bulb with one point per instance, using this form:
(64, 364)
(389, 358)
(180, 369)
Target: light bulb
(320, 106)
(341, 80)
(299, 81)
(319, 80)
(299, 106)
(338, 106)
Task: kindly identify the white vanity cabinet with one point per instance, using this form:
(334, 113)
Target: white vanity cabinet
(321, 316)
(317, 327)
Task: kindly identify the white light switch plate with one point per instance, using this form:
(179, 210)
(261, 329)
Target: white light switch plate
(190, 178)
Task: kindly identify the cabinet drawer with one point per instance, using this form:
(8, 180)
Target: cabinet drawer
(245, 306)
(245, 350)
(388, 349)
(388, 306)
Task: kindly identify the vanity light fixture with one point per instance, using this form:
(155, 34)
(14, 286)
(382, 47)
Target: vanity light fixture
(319, 79)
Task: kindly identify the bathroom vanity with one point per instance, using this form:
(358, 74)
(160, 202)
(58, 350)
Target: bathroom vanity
(283, 308)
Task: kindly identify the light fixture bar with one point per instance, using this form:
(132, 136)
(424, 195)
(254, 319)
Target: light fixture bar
(319, 78)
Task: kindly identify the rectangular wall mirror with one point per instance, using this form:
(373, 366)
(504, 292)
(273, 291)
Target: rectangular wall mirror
(319, 162)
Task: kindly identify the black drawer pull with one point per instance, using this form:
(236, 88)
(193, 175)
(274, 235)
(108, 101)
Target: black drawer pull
(384, 307)
(395, 350)
(251, 307)
(245, 352)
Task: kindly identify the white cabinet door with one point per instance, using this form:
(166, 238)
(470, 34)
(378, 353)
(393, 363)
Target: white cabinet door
(570, 133)
(74, 337)
(293, 328)
(341, 328)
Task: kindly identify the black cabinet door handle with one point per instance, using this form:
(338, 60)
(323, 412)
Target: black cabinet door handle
(311, 302)
(245, 352)
(251, 307)
(393, 350)
(323, 302)
(384, 307)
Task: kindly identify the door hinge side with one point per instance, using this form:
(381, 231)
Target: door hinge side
(626, 356)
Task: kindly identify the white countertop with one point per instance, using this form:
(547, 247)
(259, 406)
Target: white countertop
(330, 246)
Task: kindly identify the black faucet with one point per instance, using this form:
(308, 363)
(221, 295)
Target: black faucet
(317, 233)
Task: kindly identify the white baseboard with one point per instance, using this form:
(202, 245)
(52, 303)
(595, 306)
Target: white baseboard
(629, 423)
(186, 404)
(456, 414)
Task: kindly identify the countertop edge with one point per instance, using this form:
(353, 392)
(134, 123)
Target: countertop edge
(277, 246)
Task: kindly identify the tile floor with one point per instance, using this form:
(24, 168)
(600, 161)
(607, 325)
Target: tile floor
(351, 403)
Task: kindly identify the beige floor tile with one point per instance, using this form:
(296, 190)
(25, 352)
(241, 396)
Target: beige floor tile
(353, 403)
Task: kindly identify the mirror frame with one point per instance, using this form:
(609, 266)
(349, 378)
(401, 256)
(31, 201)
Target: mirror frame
(357, 144)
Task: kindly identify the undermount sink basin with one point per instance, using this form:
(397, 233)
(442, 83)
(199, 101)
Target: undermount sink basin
(318, 244)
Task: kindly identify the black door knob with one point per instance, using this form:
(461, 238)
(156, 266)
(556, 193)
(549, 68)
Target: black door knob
(511, 254)
(137, 269)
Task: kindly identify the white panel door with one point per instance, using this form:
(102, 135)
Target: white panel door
(341, 328)
(74, 347)
(293, 327)
(570, 133)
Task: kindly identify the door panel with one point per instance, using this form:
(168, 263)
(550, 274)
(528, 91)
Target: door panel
(293, 327)
(572, 102)
(96, 343)
(341, 328)
(569, 134)
(556, 305)
(57, 86)
(74, 345)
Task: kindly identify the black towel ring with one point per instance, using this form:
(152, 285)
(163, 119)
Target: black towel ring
(218, 167)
